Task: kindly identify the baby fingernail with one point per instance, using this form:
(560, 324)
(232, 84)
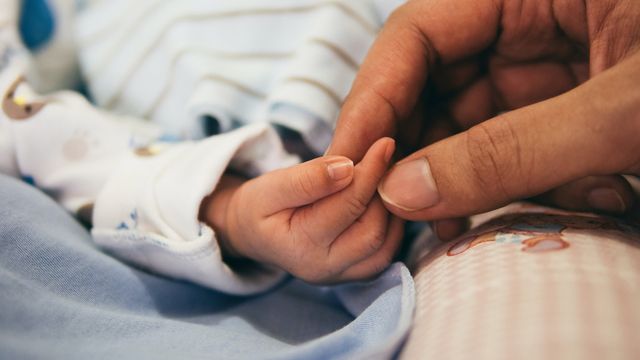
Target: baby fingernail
(606, 199)
(410, 186)
(340, 169)
(391, 147)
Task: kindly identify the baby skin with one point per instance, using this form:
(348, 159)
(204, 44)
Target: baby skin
(321, 221)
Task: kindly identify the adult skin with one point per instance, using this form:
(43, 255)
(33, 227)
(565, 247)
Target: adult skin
(544, 96)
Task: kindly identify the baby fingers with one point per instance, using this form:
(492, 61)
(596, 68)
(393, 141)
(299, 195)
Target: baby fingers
(381, 259)
(301, 184)
(326, 219)
(363, 253)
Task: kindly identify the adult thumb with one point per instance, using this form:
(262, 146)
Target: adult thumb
(522, 153)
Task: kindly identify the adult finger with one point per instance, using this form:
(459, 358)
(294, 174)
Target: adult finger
(525, 152)
(449, 229)
(417, 36)
(508, 87)
(609, 194)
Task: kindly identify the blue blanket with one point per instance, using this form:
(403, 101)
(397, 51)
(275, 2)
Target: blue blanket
(60, 297)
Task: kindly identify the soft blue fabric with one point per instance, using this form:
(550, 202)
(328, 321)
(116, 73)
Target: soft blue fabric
(62, 298)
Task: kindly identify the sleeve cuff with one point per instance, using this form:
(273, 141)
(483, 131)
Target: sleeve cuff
(147, 213)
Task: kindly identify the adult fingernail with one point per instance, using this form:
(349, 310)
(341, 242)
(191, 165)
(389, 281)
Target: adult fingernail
(410, 186)
(606, 199)
(340, 169)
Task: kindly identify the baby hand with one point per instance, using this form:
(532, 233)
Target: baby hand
(321, 220)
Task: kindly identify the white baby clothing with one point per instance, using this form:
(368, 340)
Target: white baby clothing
(178, 64)
(286, 62)
(145, 193)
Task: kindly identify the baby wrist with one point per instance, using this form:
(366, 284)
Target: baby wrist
(215, 212)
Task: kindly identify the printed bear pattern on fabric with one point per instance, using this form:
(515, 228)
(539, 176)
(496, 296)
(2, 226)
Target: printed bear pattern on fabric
(537, 233)
(485, 296)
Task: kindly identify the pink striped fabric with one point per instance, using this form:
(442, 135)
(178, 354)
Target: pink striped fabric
(530, 284)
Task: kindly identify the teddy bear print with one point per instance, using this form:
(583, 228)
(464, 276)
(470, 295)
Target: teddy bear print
(536, 233)
(17, 107)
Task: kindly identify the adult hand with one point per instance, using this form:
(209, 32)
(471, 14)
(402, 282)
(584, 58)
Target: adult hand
(557, 79)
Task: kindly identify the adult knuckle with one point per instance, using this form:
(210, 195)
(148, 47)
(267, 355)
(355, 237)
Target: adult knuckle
(481, 151)
(495, 157)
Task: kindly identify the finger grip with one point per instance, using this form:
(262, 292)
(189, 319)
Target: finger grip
(329, 217)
